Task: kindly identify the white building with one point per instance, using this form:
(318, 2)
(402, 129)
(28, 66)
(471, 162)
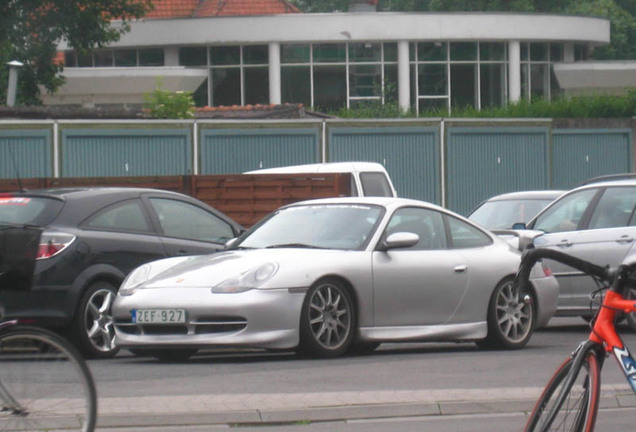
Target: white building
(333, 60)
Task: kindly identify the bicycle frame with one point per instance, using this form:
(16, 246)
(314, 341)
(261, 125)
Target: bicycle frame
(604, 333)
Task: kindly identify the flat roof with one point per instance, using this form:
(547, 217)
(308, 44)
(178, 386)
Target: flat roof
(366, 26)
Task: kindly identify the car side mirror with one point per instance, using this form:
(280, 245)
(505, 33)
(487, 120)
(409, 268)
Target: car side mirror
(400, 240)
(519, 226)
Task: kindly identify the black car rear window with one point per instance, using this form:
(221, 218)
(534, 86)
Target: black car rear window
(28, 210)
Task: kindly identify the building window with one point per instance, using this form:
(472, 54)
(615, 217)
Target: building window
(125, 58)
(537, 71)
(117, 57)
(458, 75)
(193, 56)
(151, 57)
(239, 75)
(332, 76)
(330, 83)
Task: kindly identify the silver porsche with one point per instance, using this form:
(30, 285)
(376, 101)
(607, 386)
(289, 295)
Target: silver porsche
(331, 276)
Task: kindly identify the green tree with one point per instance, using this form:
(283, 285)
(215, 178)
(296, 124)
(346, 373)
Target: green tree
(31, 29)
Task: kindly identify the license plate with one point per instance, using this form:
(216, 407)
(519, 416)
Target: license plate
(158, 316)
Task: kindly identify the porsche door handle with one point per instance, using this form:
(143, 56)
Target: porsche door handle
(565, 243)
(461, 268)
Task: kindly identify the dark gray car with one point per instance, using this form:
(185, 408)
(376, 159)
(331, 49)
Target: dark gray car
(86, 240)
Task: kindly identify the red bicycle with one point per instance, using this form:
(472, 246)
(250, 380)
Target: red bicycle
(570, 400)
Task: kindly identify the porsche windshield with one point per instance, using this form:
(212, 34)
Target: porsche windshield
(323, 226)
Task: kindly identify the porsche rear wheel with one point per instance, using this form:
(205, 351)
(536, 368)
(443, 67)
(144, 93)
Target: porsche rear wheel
(327, 320)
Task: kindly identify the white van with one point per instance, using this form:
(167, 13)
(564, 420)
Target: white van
(367, 178)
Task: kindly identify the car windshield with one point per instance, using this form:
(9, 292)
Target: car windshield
(23, 210)
(324, 226)
(504, 214)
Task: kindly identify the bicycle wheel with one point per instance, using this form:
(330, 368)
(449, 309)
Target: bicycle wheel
(577, 406)
(44, 383)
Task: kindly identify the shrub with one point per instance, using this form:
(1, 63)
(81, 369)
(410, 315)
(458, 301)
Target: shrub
(164, 104)
(598, 106)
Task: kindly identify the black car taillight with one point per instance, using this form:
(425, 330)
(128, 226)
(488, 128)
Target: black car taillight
(52, 243)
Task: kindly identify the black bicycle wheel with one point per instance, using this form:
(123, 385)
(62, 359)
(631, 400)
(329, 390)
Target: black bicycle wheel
(576, 406)
(44, 383)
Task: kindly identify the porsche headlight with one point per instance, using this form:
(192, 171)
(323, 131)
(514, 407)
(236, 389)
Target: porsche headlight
(248, 280)
(134, 279)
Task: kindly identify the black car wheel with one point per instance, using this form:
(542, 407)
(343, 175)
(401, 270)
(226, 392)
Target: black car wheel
(93, 324)
(510, 318)
(327, 320)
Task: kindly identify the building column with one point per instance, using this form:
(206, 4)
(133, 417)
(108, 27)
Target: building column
(568, 52)
(274, 73)
(404, 77)
(171, 56)
(514, 71)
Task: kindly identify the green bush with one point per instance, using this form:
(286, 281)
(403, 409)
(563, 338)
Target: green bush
(164, 104)
(599, 106)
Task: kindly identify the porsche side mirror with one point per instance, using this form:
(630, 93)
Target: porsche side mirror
(400, 240)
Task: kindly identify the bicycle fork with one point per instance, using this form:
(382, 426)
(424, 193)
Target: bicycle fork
(577, 359)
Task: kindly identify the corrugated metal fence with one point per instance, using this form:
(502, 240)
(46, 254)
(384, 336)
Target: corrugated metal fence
(455, 163)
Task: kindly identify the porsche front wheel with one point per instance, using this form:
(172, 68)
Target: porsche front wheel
(327, 320)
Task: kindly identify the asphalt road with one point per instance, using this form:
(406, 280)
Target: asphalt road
(392, 371)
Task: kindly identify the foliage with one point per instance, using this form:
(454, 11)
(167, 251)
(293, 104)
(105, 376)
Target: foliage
(373, 109)
(622, 27)
(31, 29)
(164, 104)
(598, 106)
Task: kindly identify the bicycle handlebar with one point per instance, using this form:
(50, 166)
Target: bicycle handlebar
(531, 256)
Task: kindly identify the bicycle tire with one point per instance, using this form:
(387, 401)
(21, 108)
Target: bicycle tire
(579, 405)
(47, 379)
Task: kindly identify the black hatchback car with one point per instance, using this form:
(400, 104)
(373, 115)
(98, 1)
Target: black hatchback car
(85, 241)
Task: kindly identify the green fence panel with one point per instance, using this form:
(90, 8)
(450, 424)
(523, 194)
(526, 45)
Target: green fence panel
(410, 154)
(580, 154)
(25, 153)
(234, 151)
(483, 162)
(126, 152)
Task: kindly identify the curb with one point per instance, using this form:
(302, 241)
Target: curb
(180, 412)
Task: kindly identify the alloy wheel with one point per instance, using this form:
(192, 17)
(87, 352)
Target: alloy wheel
(98, 320)
(329, 316)
(514, 313)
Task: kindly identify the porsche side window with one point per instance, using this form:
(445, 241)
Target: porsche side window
(614, 209)
(427, 224)
(466, 236)
(184, 220)
(566, 213)
(120, 217)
